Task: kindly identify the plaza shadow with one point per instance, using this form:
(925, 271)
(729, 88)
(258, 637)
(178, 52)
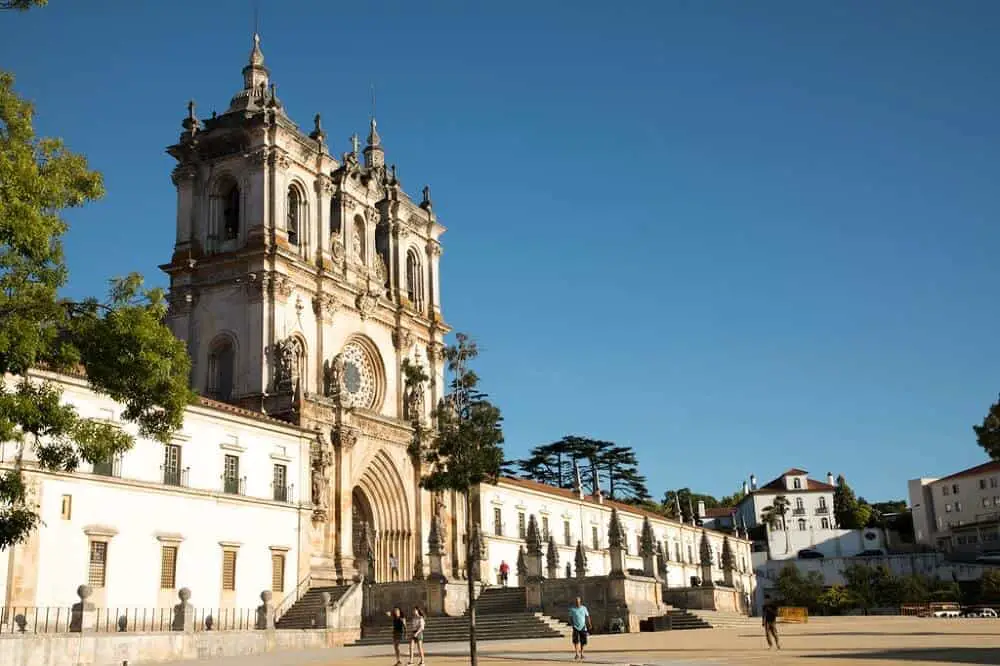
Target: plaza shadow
(961, 655)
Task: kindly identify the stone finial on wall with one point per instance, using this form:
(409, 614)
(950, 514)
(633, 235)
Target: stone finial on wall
(552, 558)
(705, 549)
(728, 561)
(581, 560)
(83, 615)
(616, 534)
(183, 612)
(434, 544)
(647, 541)
(522, 565)
(661, 560)
(534, 537)
(265, 612)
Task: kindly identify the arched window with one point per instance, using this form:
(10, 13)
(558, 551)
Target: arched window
(221, 369)
(414, 280)
(797, 484)
(826, 523)
(230, 212)
(802, 525)
(294, 205)
(334, 218)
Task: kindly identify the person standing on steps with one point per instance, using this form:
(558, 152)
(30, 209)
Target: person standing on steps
(770, 613)
(579, 619)
(417, 624)
(504, 572)
(398, 631)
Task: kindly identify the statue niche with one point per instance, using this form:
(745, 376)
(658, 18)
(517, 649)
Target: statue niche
(413, 391)
(333, 377)
(289, 357)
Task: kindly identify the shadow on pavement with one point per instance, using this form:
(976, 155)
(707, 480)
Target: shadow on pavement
(946, 655)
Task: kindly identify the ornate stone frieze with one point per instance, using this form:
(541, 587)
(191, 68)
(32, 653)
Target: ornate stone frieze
(402, 339)
(325, 305)
(366, 304)
(386, 433)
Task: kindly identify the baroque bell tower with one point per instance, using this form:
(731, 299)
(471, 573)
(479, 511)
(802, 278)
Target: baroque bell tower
(301, 283)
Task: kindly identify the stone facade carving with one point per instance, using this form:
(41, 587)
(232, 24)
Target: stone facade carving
(325, 305)
(288, 357)
(402, 339)
(333, 377)
(337, 249)
(345, 438)
(366, 305)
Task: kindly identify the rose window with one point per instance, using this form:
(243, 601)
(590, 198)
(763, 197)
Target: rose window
(359, 376)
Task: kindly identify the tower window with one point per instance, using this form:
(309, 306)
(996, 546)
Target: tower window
(414, 280)
(231, 213)
(294, 206)
(221, 362)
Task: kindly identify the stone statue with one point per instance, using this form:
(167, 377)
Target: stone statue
(318, 488)
(283, 357)
(356, 244)
(333, 376)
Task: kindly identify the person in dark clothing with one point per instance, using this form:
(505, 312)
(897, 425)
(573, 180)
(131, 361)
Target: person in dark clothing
(770, 613)
(398, 631)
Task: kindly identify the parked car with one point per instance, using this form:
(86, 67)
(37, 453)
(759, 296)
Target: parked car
(948, 613)
(979, 611)
(874, 552)
(810, 554)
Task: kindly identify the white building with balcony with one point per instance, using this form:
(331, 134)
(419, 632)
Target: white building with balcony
(959, 512)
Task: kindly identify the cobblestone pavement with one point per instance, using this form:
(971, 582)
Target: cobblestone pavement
(856, 641)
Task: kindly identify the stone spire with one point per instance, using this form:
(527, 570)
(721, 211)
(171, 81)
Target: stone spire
(255, 93)
(581, 560)
(374, 154)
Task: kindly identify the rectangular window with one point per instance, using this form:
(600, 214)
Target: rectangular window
(993, 482)
(497, 522)
(228, 569)
(280, 483)
(171, 465)
(690, 554)
(168, 567)
(277, 572)
(986, 501)
(97, 572)
(595, 538)
(947, 508)
(107, 467)
(954, 488)
(545, 528)
(982, 484)
(945, 490)
(66, 511)
(958, 506)
(522, 531)
(677, 551)
(638, 543)
(231, 475)
(567, 534)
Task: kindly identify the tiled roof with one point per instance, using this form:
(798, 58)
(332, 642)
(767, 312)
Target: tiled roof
(795, 472)
(985, 468)
(778, 486)
(202, 401)
(720, 512)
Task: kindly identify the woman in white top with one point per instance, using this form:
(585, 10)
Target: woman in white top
(417, 633)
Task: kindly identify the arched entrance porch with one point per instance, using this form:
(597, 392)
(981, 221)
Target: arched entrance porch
(380, 500)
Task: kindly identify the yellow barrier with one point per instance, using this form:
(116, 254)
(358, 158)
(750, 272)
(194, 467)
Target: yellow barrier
(793, 614)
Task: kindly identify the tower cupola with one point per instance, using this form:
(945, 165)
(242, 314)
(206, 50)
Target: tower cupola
(255, 93)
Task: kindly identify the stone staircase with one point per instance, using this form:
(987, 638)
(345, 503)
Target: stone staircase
(303, 613)
(676, 619)
(500, 615)
(724, 620)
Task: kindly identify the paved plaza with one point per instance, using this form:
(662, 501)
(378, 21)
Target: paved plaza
(822, 642)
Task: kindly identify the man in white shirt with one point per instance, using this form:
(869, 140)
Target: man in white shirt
(393, 567)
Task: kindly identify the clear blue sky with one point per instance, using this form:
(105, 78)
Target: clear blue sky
(740, 237)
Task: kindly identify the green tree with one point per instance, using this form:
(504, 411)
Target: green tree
(688, 501)
(988, 432)
(835, 599)
(464, 452)
(121, 343)
(22, 4)
(774, 516)
(846, 508)
(616, 467)
(799, 590)
(732, 500)
(990, 585)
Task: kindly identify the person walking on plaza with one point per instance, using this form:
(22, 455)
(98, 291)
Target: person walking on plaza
(398, 631)
(579, 619)
(417, 624)
(770, 613)
(504, 572)
(393, 568)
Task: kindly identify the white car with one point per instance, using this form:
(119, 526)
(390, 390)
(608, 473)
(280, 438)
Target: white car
(948, 613)
(980, 612)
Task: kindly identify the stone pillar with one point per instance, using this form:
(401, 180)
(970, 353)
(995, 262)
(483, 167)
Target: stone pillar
(552, 558)
(435, 551)
(534, 554)
(581, 560)
(616, 541)
(728, 562)
(320, 621)
(265, 612)
(705, 551)
(661, 563)
(647, 549)
(183, 612)
(83, 614)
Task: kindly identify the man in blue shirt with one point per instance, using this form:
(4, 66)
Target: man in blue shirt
(579, 619)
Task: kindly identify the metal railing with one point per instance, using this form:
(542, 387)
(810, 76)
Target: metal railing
(283, 493)
(234, 486)
(173, 476)
(62, 619)
(290, 599)
(798, 512)
(822, 510)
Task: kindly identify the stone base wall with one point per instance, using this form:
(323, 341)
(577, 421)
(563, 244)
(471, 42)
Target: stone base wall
(152, 648)
(630, 598)
(434, 597)
(718, 598)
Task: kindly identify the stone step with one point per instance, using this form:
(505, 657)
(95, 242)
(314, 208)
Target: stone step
(303, 613)
(448, 629)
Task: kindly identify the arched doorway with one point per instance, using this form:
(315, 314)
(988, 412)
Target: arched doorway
(380, 500)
